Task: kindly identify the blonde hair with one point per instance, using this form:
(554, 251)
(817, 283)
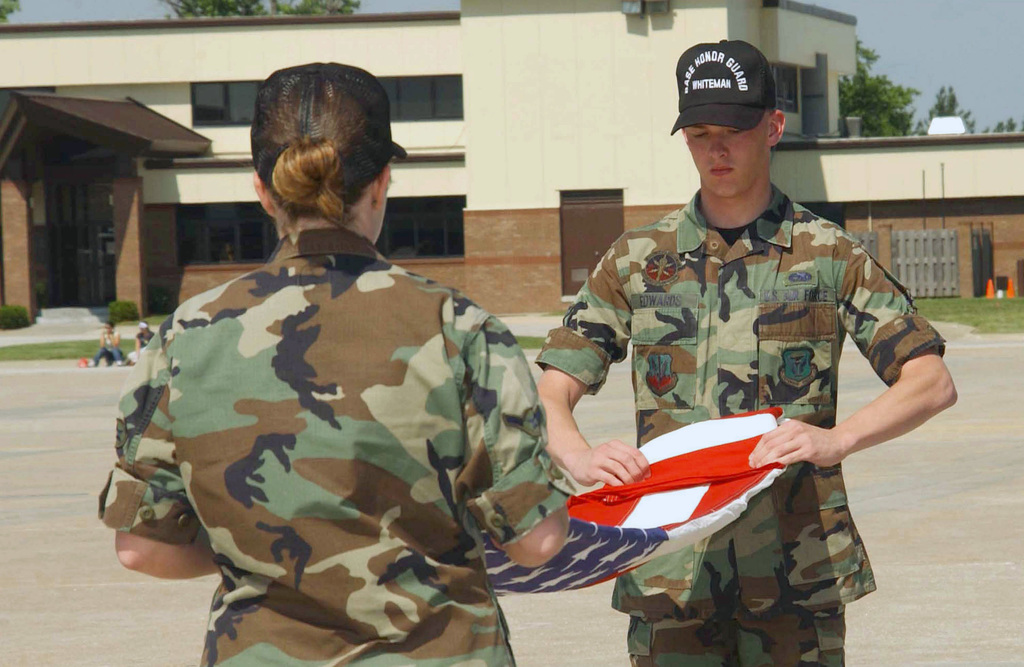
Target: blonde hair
(309, 180)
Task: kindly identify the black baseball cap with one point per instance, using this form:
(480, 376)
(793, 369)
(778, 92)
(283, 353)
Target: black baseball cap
(342, 103)
(729, 83)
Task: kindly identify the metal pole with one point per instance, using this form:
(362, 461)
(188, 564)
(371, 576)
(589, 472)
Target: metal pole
(943, 202)
(924, 204)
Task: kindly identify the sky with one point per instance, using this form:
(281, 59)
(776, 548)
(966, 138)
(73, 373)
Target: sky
(971, 45)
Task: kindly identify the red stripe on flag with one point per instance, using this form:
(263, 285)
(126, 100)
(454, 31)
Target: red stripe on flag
(724, 468)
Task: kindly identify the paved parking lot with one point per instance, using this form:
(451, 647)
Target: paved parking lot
(941, 512)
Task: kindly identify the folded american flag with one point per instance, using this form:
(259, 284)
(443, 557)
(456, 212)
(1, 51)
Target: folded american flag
(700, 481)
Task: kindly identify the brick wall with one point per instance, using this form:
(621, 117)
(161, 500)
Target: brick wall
(1004, 216)
(196, 279)
(447, 271)
(513, 260)
(161, 248)
(129, 240)
(638, 216)
(17, 243)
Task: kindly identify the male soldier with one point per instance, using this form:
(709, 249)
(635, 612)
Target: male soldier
(737, 302)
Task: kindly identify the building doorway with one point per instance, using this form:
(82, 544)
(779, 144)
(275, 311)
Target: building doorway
(591, 220)
(81, 249)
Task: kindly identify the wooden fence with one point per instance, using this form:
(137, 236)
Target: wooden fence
(926, 261)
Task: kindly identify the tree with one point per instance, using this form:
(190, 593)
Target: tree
(946, 104)
(1008, 125)
(884, 107)
(311, 7)
(8, 7)
(203, 8)
(189, 9)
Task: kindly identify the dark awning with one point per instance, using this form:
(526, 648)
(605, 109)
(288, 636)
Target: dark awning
(125, 126)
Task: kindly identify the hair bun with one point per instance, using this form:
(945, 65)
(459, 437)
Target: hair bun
(309, 180)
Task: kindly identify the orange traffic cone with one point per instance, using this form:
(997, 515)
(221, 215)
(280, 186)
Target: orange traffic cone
(990, 290)
(1009, 289)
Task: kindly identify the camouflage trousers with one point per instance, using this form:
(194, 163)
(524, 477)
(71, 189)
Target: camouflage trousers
(800, 638)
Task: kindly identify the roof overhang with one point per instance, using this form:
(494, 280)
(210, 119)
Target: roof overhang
(124, 126)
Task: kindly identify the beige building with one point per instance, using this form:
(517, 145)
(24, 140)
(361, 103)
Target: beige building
(537, 132)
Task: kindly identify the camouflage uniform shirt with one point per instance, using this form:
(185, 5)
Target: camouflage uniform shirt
(342, 431)
(719, 330)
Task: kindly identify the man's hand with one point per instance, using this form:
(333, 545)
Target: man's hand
(614, 463)
(923, 390)
(795, 441)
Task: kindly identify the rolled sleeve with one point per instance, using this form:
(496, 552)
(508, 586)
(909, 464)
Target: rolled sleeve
(596, 329)
(509, 483)
(131, 505)
(520, 499)
(879, 314)
(145, 493)
(901, 340)
(576, 355)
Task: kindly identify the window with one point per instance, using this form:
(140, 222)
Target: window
(230, 103)
(786, 88)
(424, 97)
(422, 227)
(224, 233)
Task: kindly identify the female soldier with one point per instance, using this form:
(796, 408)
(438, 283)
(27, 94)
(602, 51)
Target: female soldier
(331, 433)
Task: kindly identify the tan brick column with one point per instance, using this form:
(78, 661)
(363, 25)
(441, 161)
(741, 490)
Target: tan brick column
(17, 235)
(128, 239)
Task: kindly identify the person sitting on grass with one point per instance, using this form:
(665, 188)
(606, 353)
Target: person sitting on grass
(110, 347)
(141, 340)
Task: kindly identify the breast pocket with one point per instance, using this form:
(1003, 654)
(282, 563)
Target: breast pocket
(665, 356)
(794, 353)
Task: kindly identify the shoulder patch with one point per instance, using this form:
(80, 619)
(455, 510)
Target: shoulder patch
(661, 268)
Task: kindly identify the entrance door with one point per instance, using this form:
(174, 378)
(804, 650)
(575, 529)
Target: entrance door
(591, 221)
(981, 259)
(80, 222)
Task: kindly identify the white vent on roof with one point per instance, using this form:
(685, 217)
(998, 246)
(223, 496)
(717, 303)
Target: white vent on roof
(947, 125)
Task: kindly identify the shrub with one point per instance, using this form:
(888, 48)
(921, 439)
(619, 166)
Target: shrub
(123, 311)
(161, 300)
(13, 317)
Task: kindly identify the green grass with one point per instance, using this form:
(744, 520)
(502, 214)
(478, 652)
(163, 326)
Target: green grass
(73, 349)
(530, 342)
(985, 315)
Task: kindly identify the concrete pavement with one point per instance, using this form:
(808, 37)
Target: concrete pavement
(941, 511)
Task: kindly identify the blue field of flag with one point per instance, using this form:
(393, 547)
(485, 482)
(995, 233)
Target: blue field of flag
(592, 553)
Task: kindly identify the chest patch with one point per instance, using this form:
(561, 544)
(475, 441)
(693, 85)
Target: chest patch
(660, 378)
(799, 278)
(661, 268)
(797, 369)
